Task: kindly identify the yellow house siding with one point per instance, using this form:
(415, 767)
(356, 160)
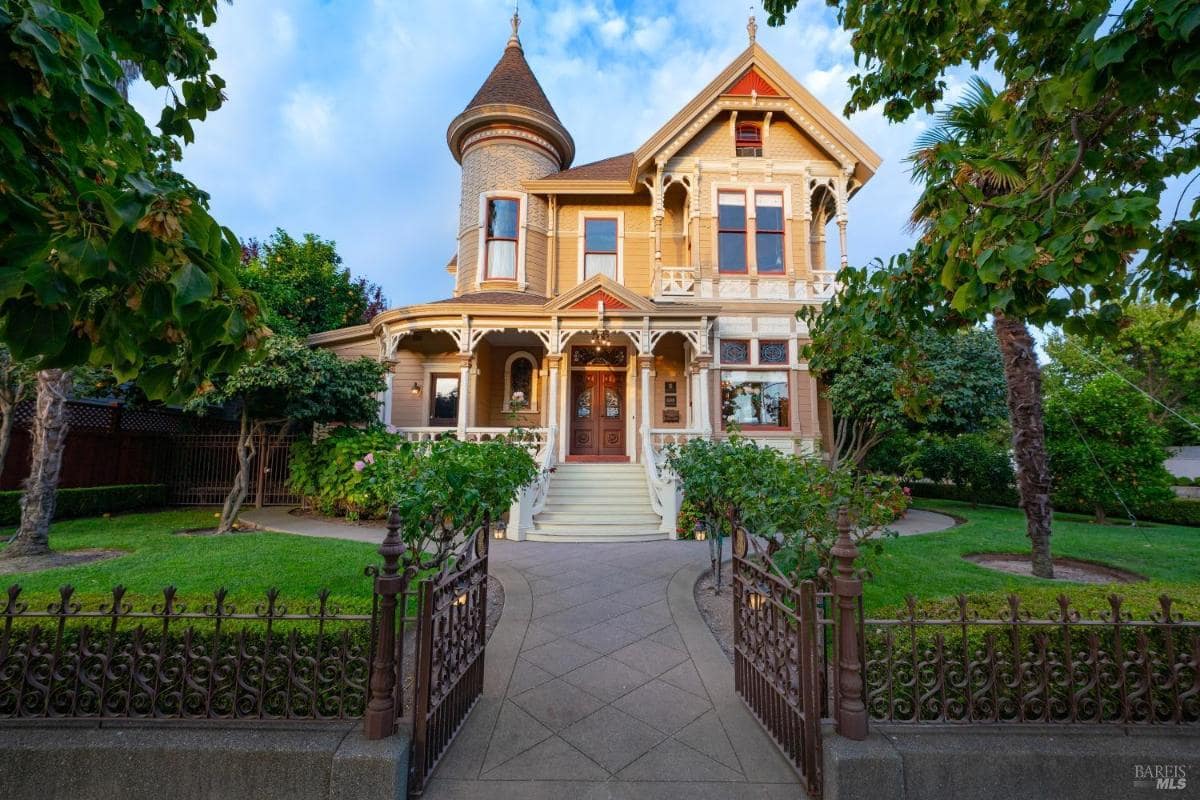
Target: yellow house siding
(637, 246)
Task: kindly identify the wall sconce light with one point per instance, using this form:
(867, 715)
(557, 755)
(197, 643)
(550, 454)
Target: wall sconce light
(498, 530)
(416, 389)
(756, 600)
(701, 532)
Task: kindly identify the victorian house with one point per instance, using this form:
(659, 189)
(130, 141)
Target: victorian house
(614, 307)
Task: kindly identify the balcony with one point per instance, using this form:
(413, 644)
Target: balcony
(684, 282)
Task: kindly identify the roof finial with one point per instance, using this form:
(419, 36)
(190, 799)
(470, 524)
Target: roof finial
(752, 26)
(515, 40)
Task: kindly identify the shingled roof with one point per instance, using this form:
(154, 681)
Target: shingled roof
(495, 299)
(616, 168)
(512, 82)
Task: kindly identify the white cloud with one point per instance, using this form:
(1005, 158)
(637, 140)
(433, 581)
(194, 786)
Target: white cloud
(310, 119)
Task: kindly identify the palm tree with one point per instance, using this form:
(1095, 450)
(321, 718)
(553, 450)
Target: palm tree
(963, 149)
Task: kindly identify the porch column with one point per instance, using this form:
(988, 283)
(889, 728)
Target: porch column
(645, 363)
(842, 218)
(464, 393)
(385, 398)
(553, 361)
(704, 407)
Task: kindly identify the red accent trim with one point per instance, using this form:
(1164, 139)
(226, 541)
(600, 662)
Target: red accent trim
(593, 301)
(752, 81)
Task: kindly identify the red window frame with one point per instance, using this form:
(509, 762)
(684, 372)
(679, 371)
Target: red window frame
(753, 140)
(616, 243)
(758, 230)
(785, 417)
(488, 238)
(744, 231)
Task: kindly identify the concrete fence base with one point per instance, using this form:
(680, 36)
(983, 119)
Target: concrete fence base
(132, 761)
(1013, 761)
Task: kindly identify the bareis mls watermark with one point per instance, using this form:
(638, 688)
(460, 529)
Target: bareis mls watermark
(1160, 776)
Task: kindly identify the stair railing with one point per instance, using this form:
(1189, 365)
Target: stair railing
(532, 499)
(663, 485)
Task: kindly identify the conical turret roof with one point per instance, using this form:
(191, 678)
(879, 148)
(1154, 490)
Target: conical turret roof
(513, 83)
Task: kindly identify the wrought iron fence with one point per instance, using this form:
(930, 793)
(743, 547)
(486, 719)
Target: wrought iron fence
(203, 467)
(166, 661)
(1063, 668)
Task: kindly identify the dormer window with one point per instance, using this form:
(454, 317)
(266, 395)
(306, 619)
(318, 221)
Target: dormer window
(501, 256)
(748, 139)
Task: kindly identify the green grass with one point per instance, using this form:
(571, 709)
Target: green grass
(931, 568)
(246, 564)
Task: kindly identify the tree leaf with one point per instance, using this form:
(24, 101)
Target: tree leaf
(191, 285)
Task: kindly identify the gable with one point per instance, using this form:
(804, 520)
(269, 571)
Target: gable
(752, 84)
(588, 295)
(593, 301)
(783, 139)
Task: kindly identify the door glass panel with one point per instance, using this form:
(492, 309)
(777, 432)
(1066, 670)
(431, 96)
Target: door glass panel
(445, 399)
(612, 403)
(583, 403)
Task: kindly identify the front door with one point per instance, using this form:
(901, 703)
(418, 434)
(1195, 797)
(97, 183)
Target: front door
(597, 413)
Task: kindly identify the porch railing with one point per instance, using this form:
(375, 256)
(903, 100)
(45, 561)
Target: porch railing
(532, 499)
(533, 438)
(685, 282)
(677, 281)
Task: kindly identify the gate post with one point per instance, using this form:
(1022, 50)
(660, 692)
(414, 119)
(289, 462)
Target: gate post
(380, 720)
(847, 587)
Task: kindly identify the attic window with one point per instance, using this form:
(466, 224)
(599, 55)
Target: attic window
(748, 139)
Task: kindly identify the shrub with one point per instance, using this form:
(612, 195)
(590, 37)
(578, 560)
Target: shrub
(324, 473)
(91, 501)
(976, 462)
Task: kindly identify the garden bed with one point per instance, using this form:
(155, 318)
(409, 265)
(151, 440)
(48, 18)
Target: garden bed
(1069, 570)
(70, 558)
(717, 609)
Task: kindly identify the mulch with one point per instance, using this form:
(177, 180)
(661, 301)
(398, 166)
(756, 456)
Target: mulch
(1070, 570)
(717, 609)
(67, 558)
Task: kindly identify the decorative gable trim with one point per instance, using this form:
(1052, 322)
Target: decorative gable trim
(752, 84)
(593, 300)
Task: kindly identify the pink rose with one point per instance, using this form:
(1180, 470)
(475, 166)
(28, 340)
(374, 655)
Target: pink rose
(369, 458)
(359, 466)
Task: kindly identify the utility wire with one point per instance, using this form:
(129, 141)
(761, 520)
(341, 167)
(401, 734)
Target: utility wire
(1100, 466)
(1100, 363)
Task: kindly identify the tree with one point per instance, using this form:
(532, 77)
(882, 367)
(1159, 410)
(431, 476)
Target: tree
(304, 287)
(16, 379)
(1036, 198)
(943, 383)
(1151, 350)
(1104, 447)
(107, 256)
(285, 385)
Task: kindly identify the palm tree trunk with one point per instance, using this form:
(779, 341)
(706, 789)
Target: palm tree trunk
(49, 438)
(1023, 377)
(241, 481)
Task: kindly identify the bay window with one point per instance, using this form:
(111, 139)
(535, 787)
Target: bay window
(731, 231)
(600, 248)
(501, 249)
(755, 398)
(768, 231)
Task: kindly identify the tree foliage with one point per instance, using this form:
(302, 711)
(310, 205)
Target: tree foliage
(1105, 449)
(1151, 350)
(106, 255)
(941, 383)
(16, 382)
(444, 490)
(304, 287)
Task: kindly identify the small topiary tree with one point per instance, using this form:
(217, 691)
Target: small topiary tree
(1104, 447)
(287, 385)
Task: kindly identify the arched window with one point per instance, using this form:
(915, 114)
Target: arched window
(521, 382)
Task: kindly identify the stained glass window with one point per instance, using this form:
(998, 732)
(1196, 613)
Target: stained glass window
(612, 403)
(735, 351)
(772, 352)
(583, 403)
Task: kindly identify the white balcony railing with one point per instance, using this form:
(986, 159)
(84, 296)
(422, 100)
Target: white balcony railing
(677, 282)
(533, 438)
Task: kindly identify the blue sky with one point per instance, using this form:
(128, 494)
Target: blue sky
(337, 111)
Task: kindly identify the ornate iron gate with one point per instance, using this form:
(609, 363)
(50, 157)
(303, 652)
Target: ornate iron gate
(779, 663)
(452, 634)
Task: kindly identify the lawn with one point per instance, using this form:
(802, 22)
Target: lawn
(930, 566)
(246, 564)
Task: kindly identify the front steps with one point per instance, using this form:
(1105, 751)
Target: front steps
(597, 503)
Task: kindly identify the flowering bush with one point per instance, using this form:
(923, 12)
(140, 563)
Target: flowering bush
(329, 473)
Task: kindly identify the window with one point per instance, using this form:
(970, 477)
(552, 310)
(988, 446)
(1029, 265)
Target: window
(735, 351)
(443, 402)
(754, 399)
(731, 231)
(748, 139)
(600, 248)
(768, 231)
(501, 256)
(772, 351)
(520, 382)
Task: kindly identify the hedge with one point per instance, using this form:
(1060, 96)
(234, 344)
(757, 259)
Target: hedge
(91, 501)
(1170, 512)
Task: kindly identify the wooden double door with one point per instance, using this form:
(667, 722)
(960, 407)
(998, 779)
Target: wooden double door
(597, 413)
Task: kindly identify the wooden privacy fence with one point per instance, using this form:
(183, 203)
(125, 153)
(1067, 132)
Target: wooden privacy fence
(195, 457)
(415, 661)
(803, 656)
